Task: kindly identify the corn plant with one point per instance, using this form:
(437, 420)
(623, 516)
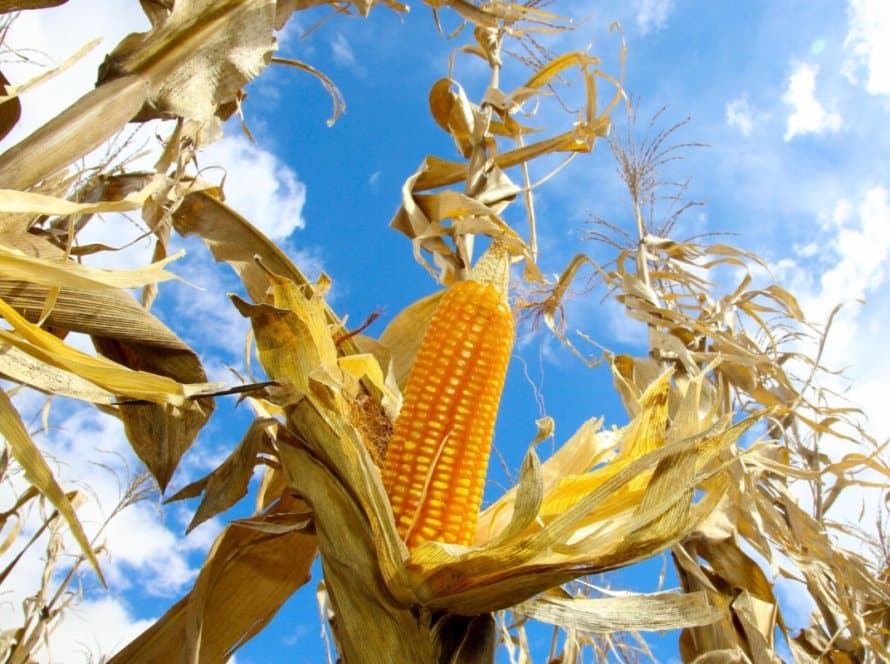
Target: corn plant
(378, 447)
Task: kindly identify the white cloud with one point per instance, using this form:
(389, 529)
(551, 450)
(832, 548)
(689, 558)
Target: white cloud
(57, 33)
(808, 115)
(652, 15)
(852, 261)
(258, 185)
(868, 39)
(92, 629)
(740, 115)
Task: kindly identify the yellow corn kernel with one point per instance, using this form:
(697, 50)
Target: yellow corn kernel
(442, 438)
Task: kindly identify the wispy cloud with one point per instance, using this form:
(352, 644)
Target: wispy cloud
(342, 51)
(808, 115)
(868, 40)
(652, 15)
(740, 115)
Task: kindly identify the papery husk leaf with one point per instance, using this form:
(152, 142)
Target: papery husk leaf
(587, 447)
(227, 483)
(296, 349)
(644, 435)
(404, 333)
(529, 496)
(471, 582)
(246, 578)
(382, 389)
(630, 612)
(352, 577)
(39, 475)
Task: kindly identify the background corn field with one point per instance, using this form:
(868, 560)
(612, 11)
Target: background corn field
(728, 464)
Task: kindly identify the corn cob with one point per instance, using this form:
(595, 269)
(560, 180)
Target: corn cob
(435, 465)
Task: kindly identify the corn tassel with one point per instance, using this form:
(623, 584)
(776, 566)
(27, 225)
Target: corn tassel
(436, 462)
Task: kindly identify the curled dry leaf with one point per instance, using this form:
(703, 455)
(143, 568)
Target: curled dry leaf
(227, 483)
(488, 189)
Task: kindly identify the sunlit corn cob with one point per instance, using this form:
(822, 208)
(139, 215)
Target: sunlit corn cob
(435, 465)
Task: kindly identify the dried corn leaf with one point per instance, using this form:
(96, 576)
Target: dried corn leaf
(39, 475)
(13, 91)
(451, 109)
(246, 578)
(103, 372)
(10, 108)
(21, 367)
(15, 265)
(227, 483)
(107, 313)
(124, 332)
(19, 5)
(165, 377)
(630, 612)
(162, 432)
(197, 57)
(233, 239)
(72, 133)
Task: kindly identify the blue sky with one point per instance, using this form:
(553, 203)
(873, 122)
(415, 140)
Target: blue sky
(793, 99)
